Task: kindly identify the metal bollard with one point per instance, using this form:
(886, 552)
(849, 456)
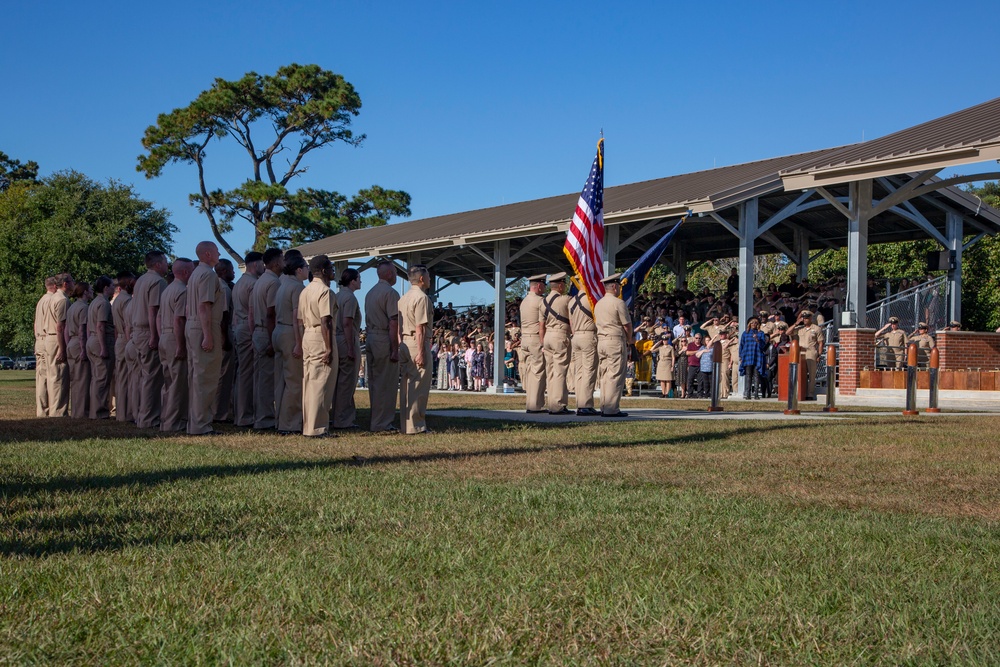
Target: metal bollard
(716, 377)
(911, 380)
(793, 380)
(831, 379)
(932, 404)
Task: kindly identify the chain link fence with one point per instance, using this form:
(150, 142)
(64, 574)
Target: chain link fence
(927, 302)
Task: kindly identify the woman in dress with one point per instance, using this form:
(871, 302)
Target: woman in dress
(666, 357)
(478, 367)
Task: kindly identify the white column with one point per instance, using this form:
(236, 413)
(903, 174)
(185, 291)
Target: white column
(680, 264)
(610, 249)
(954, 232)
(339, 267)
(800, 245)
(501, 255)
(857, 250)
(748, 235)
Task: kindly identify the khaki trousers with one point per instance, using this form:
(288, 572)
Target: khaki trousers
(344, 412)
(174, 397)
(533, 372)
(556, 351)
(383, 380)
(585, 365)
(203, 379)
(79, 379)
(288, 380)
(149, 383)
(223, 403)
(318, 383)
(811, 377)
(102, 376)
(129, 384)
(414, 387)
(41, 378)
(57, 379)
(612, 354)
(243, 401)
(263, 380)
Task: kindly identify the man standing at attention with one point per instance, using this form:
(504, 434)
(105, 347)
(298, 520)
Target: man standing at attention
(145, 309)
(554, 336)
(417, 314)
(206, 302)
(533, 358)
(100, 348)
(173, 349)
(41, 361)
(317, 311)
(382, 348)
(76, 352)
(348, 349)
(614, 330)
(55, 346)
(810, 342)
(124, 407)
(243, 339)
(584, 355)
(224, 397)
(287, 343)
(262, 305)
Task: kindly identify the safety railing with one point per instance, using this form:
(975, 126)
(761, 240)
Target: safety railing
(926, 302)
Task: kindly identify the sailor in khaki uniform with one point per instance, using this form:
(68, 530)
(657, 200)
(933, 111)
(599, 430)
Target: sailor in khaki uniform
(144, 325)
(76, 352)
(101, 348)
(348, 350)
(262, 301)
(584, 356)
(287, 342)
(41, 361)
(614, 331)
(382, 348)
(206, 302)
(173, 349)
(416, 313)
(923, 339)
(896, 339)
(532, 367)
(555, 332)
(124, 370)
(810, 343)
(317, 311)
(57, 381)
(243, 339)
(227, 376)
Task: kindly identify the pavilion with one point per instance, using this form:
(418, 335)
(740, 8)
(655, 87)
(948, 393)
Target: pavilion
(878, 191)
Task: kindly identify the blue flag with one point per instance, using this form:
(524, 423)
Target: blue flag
(635, 275)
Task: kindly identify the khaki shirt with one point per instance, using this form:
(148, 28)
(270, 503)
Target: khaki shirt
(415, 308)
(895, 338)
(119, 314)
(381, 305)
(580, 316)
(55, 313)
(76, 319)
(532, 309)
(348, 306)
(610, 316)
(556, 309)
(286, 300)
(146, 295)
(924, 341)
(768, 328)
(40, 315)
(316, 302)
(100, 312)
(241, 298)
(205, 286)
(810, 340)
(173, 303)
(264, 296)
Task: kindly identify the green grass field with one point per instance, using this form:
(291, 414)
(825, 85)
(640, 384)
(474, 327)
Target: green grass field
(744, 542)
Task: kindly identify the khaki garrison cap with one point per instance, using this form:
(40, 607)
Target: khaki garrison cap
(613, 278)
(556, 277)
(540, 278)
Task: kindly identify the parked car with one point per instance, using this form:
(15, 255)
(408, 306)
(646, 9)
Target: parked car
(6, 363)
(25, 363)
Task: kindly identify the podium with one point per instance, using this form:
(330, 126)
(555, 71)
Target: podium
(784, 359)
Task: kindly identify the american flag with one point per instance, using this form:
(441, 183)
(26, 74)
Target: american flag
(585, 239)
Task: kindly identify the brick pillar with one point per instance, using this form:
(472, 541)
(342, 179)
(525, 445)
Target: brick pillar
(856, 352)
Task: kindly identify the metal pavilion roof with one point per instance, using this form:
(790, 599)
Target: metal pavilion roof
(457, 242)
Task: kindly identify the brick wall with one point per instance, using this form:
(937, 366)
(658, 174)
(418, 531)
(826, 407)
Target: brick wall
(855, 353)
(961, 350)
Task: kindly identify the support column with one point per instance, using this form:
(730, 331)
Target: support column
(338, 268)
(857, 250)
(748, 235)
(679, 264)
(954, 232)
(610, 249)
(800, 245)
(501, 256)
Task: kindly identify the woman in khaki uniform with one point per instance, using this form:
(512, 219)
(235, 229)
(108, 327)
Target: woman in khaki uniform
(100, 349)
(317, 311)
(348, 350)
(76, 352)
(287, 341)
(665, 361)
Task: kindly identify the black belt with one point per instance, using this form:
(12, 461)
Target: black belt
(284, 324)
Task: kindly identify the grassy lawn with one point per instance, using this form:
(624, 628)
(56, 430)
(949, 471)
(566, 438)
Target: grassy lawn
(868, 541)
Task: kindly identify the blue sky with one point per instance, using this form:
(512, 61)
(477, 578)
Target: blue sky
(469, 105)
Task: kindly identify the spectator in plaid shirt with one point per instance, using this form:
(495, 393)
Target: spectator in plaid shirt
(753, 358)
